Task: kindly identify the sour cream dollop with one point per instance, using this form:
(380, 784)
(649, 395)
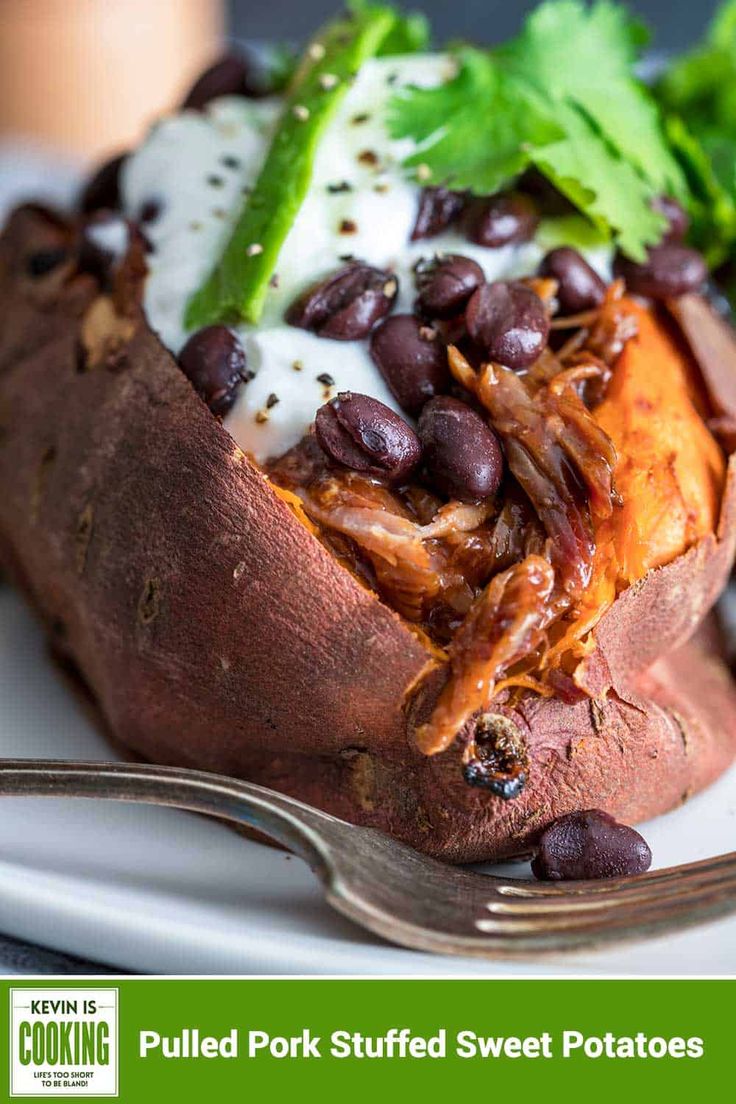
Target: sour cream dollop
(194, 169)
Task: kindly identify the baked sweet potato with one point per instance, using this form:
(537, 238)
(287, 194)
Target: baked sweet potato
(216, 630)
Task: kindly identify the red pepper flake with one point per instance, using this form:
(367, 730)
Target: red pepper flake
(347, 226)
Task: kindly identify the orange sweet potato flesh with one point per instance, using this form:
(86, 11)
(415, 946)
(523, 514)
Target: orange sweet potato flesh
(670, 470)
(670, 473)
(215, 630)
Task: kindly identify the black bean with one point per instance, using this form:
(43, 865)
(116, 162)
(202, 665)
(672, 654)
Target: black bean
(347, 305)
(438, 209)
(412, 359)
(670, 270)
(676, 215)
(363, 434)
(234, 74)
(445, 284)
(103, 242)
(549, 200)
(580, 288)
(508, 323)
(503, 219)
(103, 187)
(214, 361)
(150, 210)
(44, 261)
(589, 844)
(461, 453)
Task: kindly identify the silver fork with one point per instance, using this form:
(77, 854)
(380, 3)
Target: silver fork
(394, 891)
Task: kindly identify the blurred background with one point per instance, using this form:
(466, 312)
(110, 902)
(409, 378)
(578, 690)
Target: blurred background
(84, 77)
(677, 21)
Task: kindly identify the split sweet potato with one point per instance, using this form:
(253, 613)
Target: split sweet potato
(215, 630)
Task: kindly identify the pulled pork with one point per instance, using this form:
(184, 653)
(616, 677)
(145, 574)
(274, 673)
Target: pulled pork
(488, 581)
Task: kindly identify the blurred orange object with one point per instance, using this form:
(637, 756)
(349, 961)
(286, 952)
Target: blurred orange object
(86, 76)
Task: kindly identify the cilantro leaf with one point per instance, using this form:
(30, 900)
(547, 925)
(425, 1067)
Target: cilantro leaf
(457, 153)
(700, 83)
(712, 207)
(605, 187)
(574, 230)
(722, 31)
(698, 95)
(584, 56)
(561, 96)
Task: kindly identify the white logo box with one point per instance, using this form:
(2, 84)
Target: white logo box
(63, 1042)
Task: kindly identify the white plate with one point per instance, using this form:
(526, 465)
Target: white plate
(166, 892)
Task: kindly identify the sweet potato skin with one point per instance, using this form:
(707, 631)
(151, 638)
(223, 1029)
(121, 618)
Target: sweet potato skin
(673, 735)
(155, 548)
(214, 630)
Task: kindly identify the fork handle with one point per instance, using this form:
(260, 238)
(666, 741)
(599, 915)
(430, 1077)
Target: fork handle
(283, 819)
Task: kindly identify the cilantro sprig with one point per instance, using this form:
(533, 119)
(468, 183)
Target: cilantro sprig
(458, 143)
(697, 92)
(561, 97)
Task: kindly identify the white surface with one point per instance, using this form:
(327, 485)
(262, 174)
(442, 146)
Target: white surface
(31, 172)
(166, 892)
(176, 164)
